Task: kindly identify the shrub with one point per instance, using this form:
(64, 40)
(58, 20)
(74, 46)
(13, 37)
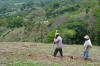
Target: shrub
(97, 26)
(50, 36)
(15, 22)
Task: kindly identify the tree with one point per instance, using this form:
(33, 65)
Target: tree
(67, 35)
(15, 22)
(97, 26)
(50, 36)
(79, 27)
(88, 3)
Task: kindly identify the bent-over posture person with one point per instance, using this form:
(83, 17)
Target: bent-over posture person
(58, 42)
(87, 46)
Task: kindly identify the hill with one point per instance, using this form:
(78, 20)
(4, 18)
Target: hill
(40, 19)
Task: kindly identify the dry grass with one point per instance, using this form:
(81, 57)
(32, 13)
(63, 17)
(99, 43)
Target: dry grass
(11, 52)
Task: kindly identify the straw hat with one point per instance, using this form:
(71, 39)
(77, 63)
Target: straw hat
(86, 37)
(57, 33)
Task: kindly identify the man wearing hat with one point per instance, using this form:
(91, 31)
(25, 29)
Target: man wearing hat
(58, 42)
(87, 46)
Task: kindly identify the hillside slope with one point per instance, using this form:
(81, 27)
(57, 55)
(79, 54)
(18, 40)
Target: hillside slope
(72, 18)
(37, 54)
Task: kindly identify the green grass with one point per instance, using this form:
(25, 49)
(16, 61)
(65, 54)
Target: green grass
(30, 63)
(25, 63)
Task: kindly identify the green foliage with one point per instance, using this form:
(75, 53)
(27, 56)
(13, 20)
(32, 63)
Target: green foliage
(97, 26)
(29, 25)
(79, 27)
(3, 10)
(88, 3)
(65, 15)
(3, 22)
(50, 36)
(15, 22)
(67, 35)
(56, 8)
(22, 13)
(97, 14)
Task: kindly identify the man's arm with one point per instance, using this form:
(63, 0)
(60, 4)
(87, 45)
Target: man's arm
(55, 41)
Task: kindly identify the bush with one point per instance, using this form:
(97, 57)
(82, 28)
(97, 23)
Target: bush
(3, 22)
(97, 26)
(50, 36)
(67, 35)
(80, 28)
(15, 22)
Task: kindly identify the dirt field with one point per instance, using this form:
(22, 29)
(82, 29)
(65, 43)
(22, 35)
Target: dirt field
(13, 52)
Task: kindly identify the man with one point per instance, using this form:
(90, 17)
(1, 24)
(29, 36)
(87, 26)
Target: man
(58, 42)
(87, 46)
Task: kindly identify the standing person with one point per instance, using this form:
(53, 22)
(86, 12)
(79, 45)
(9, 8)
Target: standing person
(87, 46)
(58, 42)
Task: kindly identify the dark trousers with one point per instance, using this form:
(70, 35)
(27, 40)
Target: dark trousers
(56, 51)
